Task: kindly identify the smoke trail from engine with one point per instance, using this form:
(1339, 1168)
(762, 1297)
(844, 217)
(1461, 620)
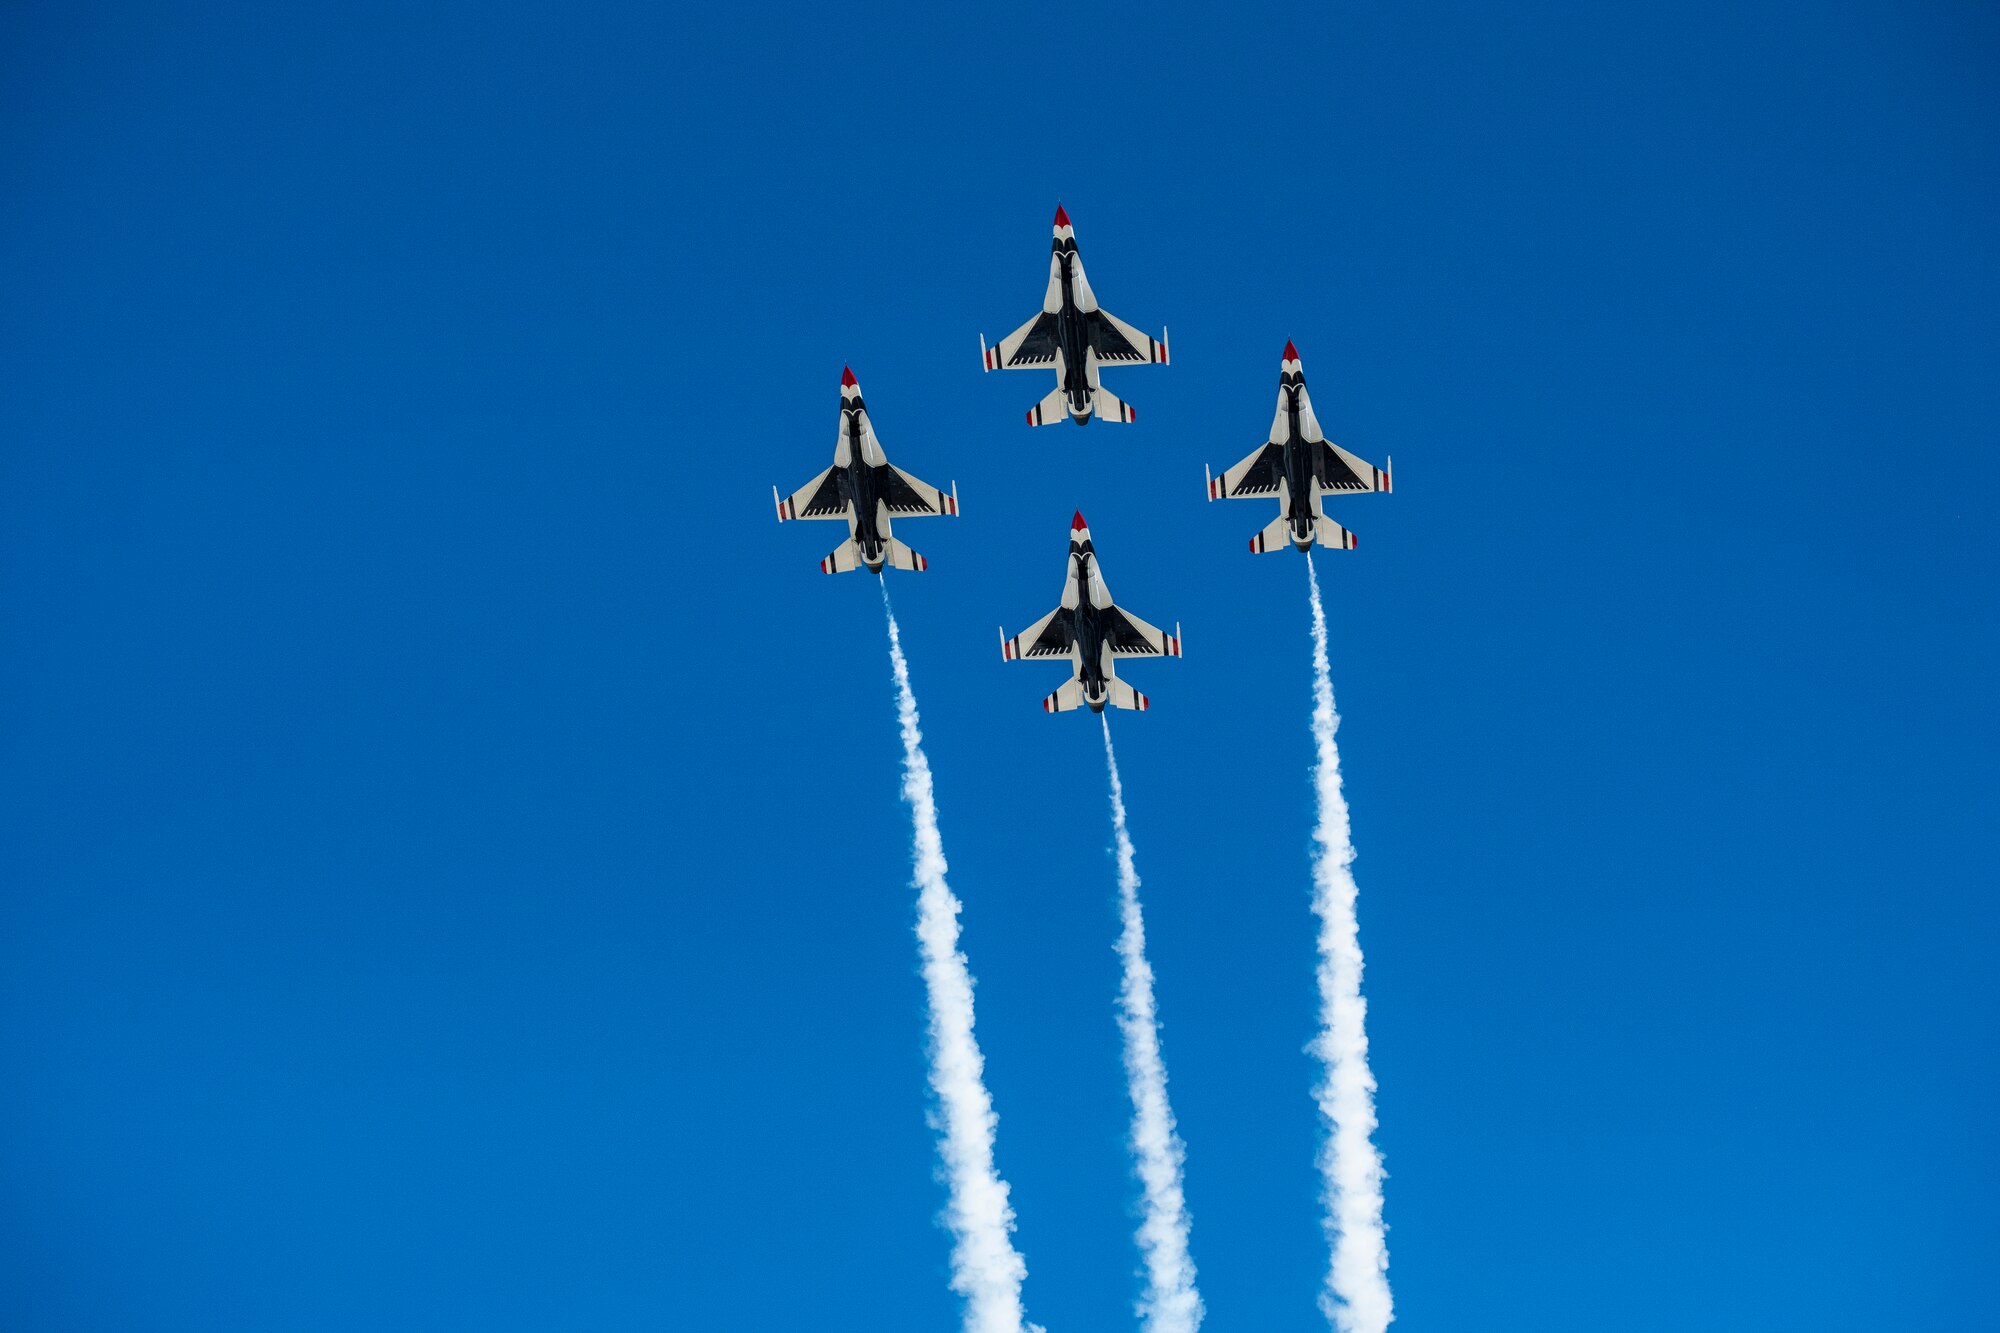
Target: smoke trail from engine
(1356, 1297)
(1171, 1303)
(985, 1267)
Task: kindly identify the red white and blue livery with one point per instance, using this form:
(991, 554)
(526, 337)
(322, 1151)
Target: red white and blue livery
(863, 488)
(1092, 632)
(1299, 467)
(1071, 336)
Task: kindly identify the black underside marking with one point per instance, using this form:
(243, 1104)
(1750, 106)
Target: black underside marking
(1262, 476)
(1123, 635)
(1112, 345)
(1055, 637)
(1039, 346)
(828, 499)
(898, 494)
(1334, 474)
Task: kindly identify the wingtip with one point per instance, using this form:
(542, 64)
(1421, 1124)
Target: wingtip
(1062, 216)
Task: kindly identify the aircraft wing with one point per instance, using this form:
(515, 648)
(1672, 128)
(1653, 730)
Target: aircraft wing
(1132, 637)
(904, 494)
(1256, 475)
(1050, 636)
(818, 498)
(1033, 344)
(1119, 344)
(1342, 471)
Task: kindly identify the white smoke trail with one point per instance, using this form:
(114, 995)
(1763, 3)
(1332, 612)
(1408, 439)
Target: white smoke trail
(1357, 1281)
(1171, 1303)
(985, 1267)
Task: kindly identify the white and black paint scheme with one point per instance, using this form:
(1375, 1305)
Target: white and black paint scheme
(1092, 632)
(1074, 337)
(864, 489)
(1300, 467)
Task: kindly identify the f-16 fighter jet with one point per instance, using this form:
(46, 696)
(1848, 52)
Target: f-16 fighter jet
(1091, 632)
(1299, 467)
(864, 489)
(1072, 335)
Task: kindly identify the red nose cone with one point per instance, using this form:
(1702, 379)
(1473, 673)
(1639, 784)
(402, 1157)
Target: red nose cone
(1291, 352)
(1077, 524)
(846, 378)
(1062, 218)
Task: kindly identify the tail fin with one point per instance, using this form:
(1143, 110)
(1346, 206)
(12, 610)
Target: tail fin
(1050, 410)
(902, 557)
(1276, 536)
(1068, 697)
(1124, 696)
(1331, 535)
(1110, 407)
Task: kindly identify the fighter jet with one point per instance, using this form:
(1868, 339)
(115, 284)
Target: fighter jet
(1075, 337)
(1298, 466)
(864, 489)
(1091, 632)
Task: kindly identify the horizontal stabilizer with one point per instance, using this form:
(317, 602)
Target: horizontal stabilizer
(1124, 696)
(1110, 407)
(1050, 410)
(1063, 700)
(1331, 535)
(902, 557)
(1276, 536)
(845, 557)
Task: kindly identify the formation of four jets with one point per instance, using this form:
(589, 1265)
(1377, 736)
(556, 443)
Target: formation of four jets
(1296, 465)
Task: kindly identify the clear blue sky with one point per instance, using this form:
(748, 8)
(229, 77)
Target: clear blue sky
(452, 873)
